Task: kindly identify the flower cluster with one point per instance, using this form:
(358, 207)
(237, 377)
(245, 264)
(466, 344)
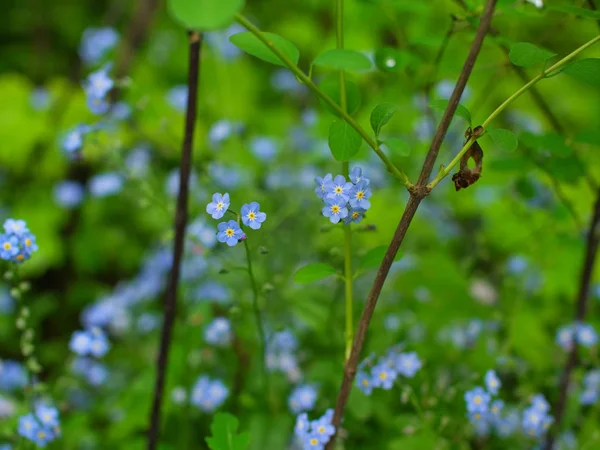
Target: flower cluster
(17, 243)
(281, 354)
(302, 398)
(344, 199)
(487, 413)
(218, 332)
(581, 333)
(97, 86)
(40, 427)
(316, 434)
(386, 370)
(591, 386)
(208, 394)
(230, 232)
(88, 345)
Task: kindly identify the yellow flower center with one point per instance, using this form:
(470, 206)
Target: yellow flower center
(335, 209)
(229, 232)
(220, 206)
(321, 429)
(41, 435)
(477, 416)
(338, 190)
(27, 242)
(365, 382)
(360, 195)
(314, 441)
(477, 400)
(355, 214)
(383, 376)
(7, 246)
(20, 257)
(251, 216)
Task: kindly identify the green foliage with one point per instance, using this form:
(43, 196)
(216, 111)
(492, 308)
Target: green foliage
(343, 59)
(581, 12)
(204, 15)
(525, 54)
(398, 146)
(461, 111)
(255, 47)
(224, 429)
(331, 86)
(381, 115)
(373, 258)
(389, 59)
(585, 70)
(344, 141)
(313, 272)
(504, 139)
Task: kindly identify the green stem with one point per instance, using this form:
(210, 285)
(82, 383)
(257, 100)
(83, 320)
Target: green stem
(257, 315)
(397, 173)
(545, 74)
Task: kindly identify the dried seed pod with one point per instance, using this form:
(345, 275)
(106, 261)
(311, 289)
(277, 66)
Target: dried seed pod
(465, 177)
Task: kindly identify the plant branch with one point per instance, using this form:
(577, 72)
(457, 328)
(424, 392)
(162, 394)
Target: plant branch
(181, 217)
(417, 193)
(587, 270)
(392, 169)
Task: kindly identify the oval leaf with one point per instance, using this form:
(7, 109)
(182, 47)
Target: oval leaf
(331, 86)
(252, 45)
(381, 115)
(461, 111)
(398, 146)
(343, 59)
(586, 70)
(505, 139)
(313, 272)
(524, 54)
(374, 257)
(344, 141)
(204, 14)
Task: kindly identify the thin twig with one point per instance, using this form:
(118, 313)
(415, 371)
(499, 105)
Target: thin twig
(416, 196)
(181, 217)
(591, 250)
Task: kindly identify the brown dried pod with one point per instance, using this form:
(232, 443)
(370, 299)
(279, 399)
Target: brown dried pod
(465, 177)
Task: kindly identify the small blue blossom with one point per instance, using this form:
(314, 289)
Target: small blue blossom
(98, 105)
(359, 195)
(9, 247)
(28, 426)
(98, 83)
(408, 364)
(264, 148)
(40, 98)
(208, 394)
(73, 140)
(47, 415)
(302, 398)
(95, 42)
(90, 342)
(356, 176)
(229, 233)
(565, 337)
(177, 97)
(586, 335)
(219, 40)
(338, 189)
(492, 382)
(252, 217)
(383, 376)
(588, 397)
(335, 209)
(218, 332)
(321, 190)
(302, 425)
(508, 424)
(355, 215)
(496, 409)
(17, 228)
(219, 205)
(316, 434)
(478, 400)
(323, 429)
(106, 184)
(68, 194)
(12, 375)
(364, 383)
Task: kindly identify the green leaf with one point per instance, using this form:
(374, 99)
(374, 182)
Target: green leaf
(591, 137)
(381, 115)
(343, 59)
(224, 434)
(525, 54)
(581, 12)
(389, 59)
(586, 70)
(313, 272)
(255, 47)
(331, 86)
(505, 139)
(550, 142)
(374, 257)
(344, 141)
(204, 14)
(398, 146)
(461, 111)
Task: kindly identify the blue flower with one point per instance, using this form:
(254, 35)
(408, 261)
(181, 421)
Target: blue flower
(218, 332)
(356, 176)
(90, 342)
(507, 425)
(586, 335)
(320, 190)
(252, 217)
(264, 148)
(588, 397)
(40, 98)
(335, 209)
(48, 415)
(338, 189)
(16, 227)
(408, 364)
(28, 426)
(98, 105)
(302, 398)
(355, 215)
(219, 205)
(384, 376)
(302, 425)
(492, 382)
(106, 184)
(477, 400)
(364, 383)
(360, 194)
(9, 247)
(177, 97)
(229, 232)
(496, 409)
(73, 140)
(68, 194)
(28, 244)
(98, 83)
(95, 42)
(208, 394)
(312, 442)
(323, 429)
(565, 337)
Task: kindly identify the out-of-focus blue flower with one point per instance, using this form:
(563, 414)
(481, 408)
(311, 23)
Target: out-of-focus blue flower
(535, 420)
(383, 376)
(218, 332)
(7, 303)
(9, 247)
(321, 190)
(12, 375)
(309, 117)
(173, 181)
(264, 148)
(364, 383)
(73, 139)
(47, 415)
(316, 434)
(445, 87)
(106, 184)
(586, 335)
(40, 99)
(208, 394)
(148, 322)
(138, 162)
(219, 41)
(302, 398)
(212, 290)
(120, 111)
(68, 194)
(588, 397)
(219, 205)
(95, 42)
(478, 400)
(229, 233)
(203, 233)
(177, 97)
(285, 81)
(229, 177)
(90, 342)
(492, 382)
(251, 215)
(408, 364)
(98, 84)
(98, 105)
(94, 372)
(221, 130)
